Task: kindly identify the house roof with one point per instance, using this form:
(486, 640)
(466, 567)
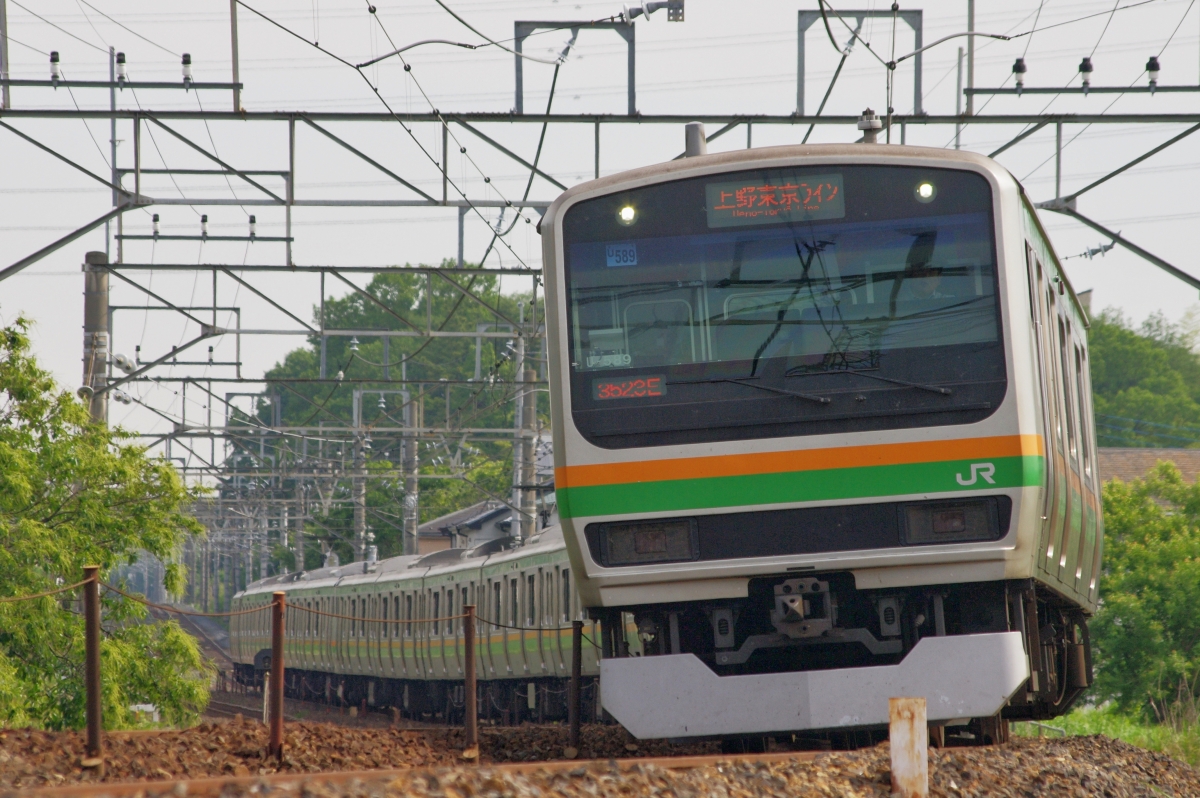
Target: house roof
(1130, 464)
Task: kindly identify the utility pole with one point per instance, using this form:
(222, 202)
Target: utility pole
(528, 503)
(95, 334)
(958, 101)
(237, 93)
(5, 97)
(360, 499)
(518, 526)
(408, 464)
(970, 56)
(301, 512)
(112, 148)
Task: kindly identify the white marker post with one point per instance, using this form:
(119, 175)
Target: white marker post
(908, 732)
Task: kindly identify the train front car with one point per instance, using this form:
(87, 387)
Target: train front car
(803, 399)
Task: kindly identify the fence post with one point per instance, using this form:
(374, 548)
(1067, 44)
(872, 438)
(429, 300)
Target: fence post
(470, 690)
(908, 733)
(91, 668)
(275, 696)
(575, 710)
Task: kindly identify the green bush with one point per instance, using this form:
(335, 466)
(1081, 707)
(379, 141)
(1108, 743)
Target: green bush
(72, 493)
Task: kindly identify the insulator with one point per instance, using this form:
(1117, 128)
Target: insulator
(154, 223)
(1085, 71)
(253, 226)
(204, 225)
(121, 74)
(55, 71)
(1019, 70)
(1152, 70)
(187, 67)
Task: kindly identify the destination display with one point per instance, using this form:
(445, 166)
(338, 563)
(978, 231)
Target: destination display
(632, 388)
(784, 198)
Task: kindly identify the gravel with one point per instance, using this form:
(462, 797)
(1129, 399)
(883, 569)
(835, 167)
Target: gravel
(1074, 766)
(238, 748)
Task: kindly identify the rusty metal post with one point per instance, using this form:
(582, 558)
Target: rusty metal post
(91, 666)
(908, 733)
(275, 696)
(470, 688)
(575, 710)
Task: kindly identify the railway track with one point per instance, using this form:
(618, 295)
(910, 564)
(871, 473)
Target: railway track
(196, 788)
(226, 709)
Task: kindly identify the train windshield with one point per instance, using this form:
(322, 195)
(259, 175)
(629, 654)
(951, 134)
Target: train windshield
(783, 302)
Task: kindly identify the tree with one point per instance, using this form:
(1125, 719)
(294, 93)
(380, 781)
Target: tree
(456, 473)
(1147, 632)
(73, 493)
(1146, 383)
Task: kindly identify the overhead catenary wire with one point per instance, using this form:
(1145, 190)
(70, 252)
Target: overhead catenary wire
(176, 610)
(59, 28)
(127, 29)
(394, 115)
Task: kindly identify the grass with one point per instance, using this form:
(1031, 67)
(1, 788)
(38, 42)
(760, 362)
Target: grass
(1182, 744)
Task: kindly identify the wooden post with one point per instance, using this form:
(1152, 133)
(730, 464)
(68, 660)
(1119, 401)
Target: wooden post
(908, 733)
(575, 710)
(275, 695)
(470, 689)
(91, 667)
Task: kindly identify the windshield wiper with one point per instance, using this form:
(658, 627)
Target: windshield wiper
(742, 381)
(931, 388)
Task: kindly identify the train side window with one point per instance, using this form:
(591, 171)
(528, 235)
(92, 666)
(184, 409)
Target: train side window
(396, 616)
(497, 604)
(530, 595)
(462, 607)
(514, 605)
(566, 594)
(1072, 445)
(353, 614)
(437, 614)
(408, 614)
(1052, 368)
(1084, 416)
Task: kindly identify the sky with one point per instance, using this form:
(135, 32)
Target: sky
(725, 58)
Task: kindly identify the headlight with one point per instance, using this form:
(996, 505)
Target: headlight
(637, 542)
(950, 522)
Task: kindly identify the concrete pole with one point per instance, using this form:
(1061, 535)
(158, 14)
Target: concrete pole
(518, 417)
(5, 97)
(409, 465)
(233, 36)
(360, 500)
(970, 56)
(958, 102)
(95, 334)
(528, 503)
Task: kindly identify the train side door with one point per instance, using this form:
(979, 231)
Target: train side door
(1037, 302)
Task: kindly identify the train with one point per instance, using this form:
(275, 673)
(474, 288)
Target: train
(351, 651)
(823, 436)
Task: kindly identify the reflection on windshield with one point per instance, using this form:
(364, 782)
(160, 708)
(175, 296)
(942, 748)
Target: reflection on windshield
(813, 298)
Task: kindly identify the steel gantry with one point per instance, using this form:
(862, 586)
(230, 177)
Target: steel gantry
(274, 481)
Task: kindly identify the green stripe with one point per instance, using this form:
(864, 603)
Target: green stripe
(793, 486)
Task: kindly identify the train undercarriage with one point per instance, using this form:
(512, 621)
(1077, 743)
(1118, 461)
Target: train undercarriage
(505, 702)
(826, 636)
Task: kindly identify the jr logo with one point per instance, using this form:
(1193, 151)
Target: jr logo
(985, 470)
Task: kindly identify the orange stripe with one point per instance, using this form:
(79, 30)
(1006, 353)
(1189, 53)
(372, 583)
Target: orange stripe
(731, 465)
